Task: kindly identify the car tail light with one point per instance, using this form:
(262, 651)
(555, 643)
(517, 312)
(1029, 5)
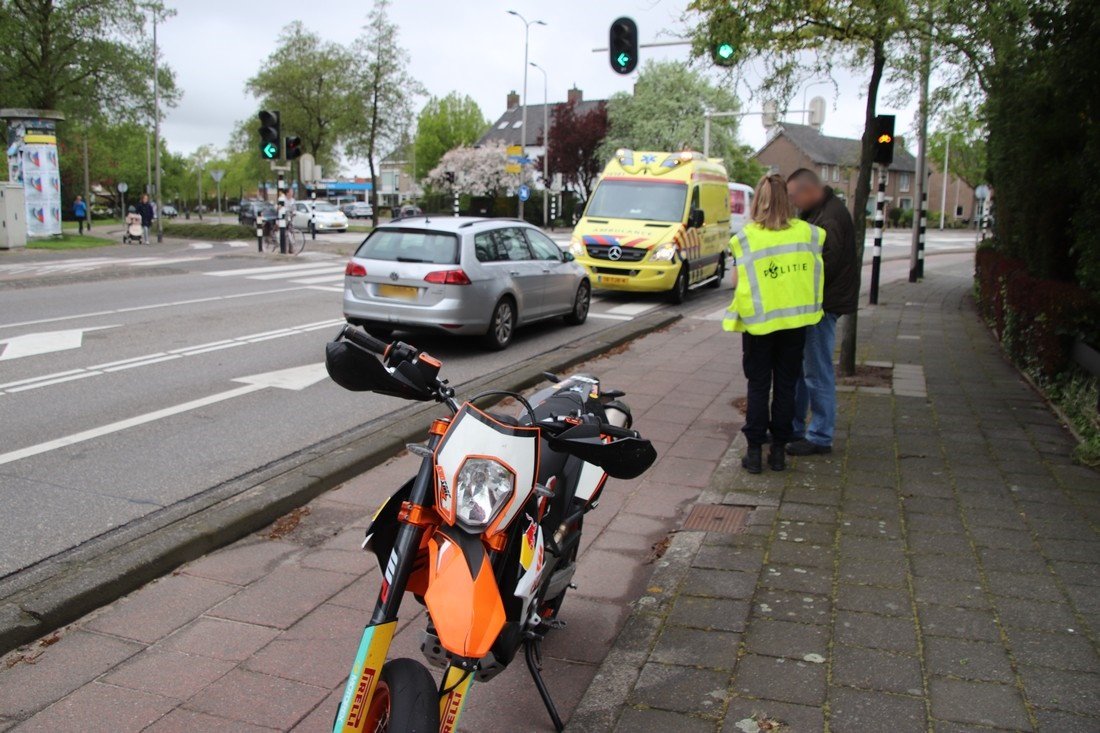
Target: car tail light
(354, 269)
(447, 277)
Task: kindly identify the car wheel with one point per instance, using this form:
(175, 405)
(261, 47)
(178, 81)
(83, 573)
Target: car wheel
(581, 304)
(502, 325)
(679, 291)
(720, 273)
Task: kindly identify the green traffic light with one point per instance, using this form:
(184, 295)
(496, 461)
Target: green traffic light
(623, 59)
(725, 51)
(270, 150)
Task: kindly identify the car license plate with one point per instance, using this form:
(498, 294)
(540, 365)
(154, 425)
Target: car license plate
(614, 280)
(403, 292)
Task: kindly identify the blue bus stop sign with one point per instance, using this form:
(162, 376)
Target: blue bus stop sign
(524, 192)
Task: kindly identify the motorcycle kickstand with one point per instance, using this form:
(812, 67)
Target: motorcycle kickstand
(533, 654)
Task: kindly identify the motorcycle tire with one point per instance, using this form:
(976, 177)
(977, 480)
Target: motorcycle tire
(406, 700)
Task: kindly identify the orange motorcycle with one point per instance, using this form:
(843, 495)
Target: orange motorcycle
(485, 535)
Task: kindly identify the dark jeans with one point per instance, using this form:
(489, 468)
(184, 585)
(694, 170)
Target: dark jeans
(773, 366)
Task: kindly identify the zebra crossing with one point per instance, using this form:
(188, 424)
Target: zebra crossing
(323, 274)
(88, 264)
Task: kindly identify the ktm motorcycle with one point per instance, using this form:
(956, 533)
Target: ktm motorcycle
(485, 535)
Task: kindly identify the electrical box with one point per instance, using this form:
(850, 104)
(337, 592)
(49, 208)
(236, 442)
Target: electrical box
(13, 213)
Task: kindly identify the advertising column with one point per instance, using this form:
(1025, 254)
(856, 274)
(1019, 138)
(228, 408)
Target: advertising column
(33, 162)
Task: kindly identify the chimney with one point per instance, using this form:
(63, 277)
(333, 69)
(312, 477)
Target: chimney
(899, 142)
(575, 96)
(513, 100)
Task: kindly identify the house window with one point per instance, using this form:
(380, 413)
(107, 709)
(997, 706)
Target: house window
(903, 181)
(824, 172)
(905, 204)
(517, 124)
(502, 125)
(836, 173)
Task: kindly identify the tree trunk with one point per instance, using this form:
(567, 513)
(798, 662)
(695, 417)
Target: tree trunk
(848, 324)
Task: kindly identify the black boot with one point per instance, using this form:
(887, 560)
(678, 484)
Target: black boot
(777, 457)
(753, 461)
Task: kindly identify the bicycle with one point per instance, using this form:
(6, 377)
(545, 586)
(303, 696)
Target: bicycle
(295, 238)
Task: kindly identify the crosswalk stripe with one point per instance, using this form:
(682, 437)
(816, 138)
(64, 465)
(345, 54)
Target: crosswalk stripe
(260, 270)
(323, 279)
(631, 309)
(315, 270)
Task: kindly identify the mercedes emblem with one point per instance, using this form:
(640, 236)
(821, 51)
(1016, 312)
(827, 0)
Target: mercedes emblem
(615, 252)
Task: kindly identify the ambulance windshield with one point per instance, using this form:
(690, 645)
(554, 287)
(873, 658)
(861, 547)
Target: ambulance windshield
(638, 199)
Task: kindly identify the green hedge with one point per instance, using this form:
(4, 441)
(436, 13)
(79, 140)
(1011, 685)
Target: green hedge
(217, 232)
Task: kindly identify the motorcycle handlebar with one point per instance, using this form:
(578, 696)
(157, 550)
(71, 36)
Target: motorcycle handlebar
(617, 432)
(368, 342)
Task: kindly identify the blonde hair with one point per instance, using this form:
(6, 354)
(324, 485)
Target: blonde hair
(771, 207)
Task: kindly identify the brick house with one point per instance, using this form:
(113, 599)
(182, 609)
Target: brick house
(836, 160)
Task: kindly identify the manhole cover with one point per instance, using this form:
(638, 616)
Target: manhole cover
(717, 518)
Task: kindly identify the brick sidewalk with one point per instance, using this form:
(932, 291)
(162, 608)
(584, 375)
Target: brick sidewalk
(261, 635)
(937, 572)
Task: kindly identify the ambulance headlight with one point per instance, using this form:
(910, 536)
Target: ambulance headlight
(577, 249)
(663, 253)
(482, 487)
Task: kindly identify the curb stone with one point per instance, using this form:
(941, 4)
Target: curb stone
(64, 588)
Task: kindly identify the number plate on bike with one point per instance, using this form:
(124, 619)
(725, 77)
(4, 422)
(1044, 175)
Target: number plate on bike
(402, 292)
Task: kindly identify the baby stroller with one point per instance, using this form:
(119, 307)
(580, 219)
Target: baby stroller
(132, 233)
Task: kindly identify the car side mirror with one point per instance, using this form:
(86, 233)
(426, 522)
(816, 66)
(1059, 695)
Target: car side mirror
(568, 256)
(695, 219)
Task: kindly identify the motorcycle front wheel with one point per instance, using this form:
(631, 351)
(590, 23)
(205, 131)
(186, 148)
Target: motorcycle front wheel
(406, 700)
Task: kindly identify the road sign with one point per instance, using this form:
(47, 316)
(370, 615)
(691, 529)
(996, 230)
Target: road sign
(514, 151)
(981, 192)
(217, 174)
(524, 192)
(512, 168)
(123, 187)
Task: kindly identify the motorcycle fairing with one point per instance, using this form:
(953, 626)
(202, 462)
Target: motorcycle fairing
(475, 433)
(351, 717)
(463, 598)
(532, 561)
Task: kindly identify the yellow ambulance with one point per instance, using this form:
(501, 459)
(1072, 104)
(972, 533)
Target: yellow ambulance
(657, 222)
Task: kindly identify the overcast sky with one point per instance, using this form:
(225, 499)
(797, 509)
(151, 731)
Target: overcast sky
(473, 47)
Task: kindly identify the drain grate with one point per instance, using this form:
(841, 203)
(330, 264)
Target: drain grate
(725, 518)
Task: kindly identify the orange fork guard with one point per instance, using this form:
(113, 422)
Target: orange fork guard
(465, 606)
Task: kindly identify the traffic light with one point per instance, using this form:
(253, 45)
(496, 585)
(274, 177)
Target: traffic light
(293, 147)
(884, 139)
(623, 45)
(724, 53)
(270, 134)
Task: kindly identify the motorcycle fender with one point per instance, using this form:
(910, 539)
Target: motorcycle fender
(462, 597)
(363, 680)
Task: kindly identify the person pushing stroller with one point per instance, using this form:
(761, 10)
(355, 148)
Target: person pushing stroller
(133, 232)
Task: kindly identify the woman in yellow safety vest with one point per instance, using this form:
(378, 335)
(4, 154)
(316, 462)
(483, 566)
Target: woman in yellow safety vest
(778, 282)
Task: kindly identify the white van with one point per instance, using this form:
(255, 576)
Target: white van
(740, 206)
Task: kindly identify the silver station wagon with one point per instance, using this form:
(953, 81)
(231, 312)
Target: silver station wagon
(462, 275)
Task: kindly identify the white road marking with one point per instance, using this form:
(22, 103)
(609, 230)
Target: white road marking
(339, 278)
(158, 357)
(92, 263)
(313, 270)
(245, 271)
(295, 378)
(152, 306)
(201, 245)
(47, 342)
(610, 316)
(238, 245)
(631, 309)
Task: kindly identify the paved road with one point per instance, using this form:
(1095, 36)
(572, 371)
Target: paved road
(128, 378)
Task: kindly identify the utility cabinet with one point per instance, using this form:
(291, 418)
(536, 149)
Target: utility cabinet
(13, 212)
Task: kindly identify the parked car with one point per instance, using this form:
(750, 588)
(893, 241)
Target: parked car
(249, 211)
(407, 211)
(740, 206)
(358, 210)
(326, 217)
(170, 212)
(464, 275)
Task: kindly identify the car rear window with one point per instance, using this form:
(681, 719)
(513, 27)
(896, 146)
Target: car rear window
(410, 245)
(737, 202)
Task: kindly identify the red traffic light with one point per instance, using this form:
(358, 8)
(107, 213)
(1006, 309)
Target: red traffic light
(293, 148)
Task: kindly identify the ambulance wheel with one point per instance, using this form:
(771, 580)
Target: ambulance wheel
(406, 699)
(679, 292)
(719, 273)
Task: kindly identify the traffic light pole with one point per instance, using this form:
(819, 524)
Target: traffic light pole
(282, 213)
(876, 259)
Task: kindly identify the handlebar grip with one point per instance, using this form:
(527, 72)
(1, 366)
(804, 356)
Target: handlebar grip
(368, 342)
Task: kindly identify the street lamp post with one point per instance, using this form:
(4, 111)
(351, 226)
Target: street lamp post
(156, 132)
(805, 93)
(545, 149)
(523, 125)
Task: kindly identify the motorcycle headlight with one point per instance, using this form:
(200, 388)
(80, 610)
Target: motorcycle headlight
(482, 487)
(577, 249)
(663, 253)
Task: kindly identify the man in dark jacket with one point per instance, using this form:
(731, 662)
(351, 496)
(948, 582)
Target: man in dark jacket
(145, 209)
(816, 392)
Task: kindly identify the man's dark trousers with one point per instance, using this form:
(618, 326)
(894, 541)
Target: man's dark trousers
(773, 365)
